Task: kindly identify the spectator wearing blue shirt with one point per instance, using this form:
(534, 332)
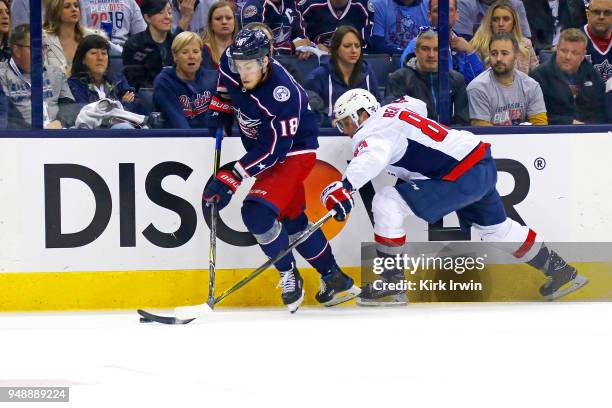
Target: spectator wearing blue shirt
(3, 109)
(346, 70)
(396, 22)
(183, 93)
(464, 58)
(609, 99)
(90, 79)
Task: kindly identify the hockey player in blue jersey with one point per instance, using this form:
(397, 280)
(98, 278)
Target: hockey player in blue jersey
(322, 17)
(283, 19)
(279, 132)
(440, 171)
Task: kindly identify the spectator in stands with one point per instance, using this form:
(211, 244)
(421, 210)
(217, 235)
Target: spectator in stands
(5, 29)
(283, 19)
(119, 19)
(573, 89)
(190, 15)
(471, 13)
(502, 17)
(322, 17)
(609, 100)
(91, 79)
(62, 32)
(599, 32)
(419, 79)
(464, 58)
(15, 81)
(20, 12)
(503, 95)
(183, 93)
(220, 31)
(345, 70)
(146, 53)
(396, 22)
(548, 17)
(3, 110)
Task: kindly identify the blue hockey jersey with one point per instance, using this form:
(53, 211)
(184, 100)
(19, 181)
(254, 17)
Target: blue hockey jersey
(282, 18)
(601, 59)
(275, 119)
(184, 104)
(320, 19)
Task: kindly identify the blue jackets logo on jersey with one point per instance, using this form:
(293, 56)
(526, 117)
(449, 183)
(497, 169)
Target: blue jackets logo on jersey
(281, 93)
(247, 125)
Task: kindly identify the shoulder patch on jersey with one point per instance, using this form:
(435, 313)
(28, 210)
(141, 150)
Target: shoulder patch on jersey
(360, 147)
(370, 6)
(249, 11)
(281, 93)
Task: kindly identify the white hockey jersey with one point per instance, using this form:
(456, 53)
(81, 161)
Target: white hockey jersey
(401, 139)
(119, 18)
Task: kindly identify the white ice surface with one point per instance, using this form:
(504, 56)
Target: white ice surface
(443, 355)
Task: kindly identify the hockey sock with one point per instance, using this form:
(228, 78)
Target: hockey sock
(274, 247)
(316, 249)
(390, 248)
(270, 234)
(541, 259)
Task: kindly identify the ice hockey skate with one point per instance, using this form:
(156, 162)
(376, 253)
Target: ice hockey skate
(563, 278)
(336, 288)
(292, 286)
(377, 293)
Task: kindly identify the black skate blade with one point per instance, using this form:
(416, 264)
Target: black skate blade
(571, 286)
(150, 317)
(344, 296)
(399, 299)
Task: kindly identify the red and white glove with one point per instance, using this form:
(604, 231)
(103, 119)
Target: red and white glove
(221, 188)
(337, 196)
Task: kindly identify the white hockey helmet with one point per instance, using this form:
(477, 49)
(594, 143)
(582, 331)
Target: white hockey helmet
(351, 102)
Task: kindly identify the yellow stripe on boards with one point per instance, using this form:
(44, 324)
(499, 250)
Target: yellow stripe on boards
(46, 291)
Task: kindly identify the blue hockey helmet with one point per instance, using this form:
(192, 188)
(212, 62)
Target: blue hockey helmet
(249, 44)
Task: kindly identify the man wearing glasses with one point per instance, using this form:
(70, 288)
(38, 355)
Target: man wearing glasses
(16, 83)
(599, 32)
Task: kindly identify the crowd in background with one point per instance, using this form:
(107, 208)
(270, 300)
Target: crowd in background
(122, 63)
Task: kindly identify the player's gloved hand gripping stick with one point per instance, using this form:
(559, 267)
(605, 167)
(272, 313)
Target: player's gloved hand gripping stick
(186, 314)
(212, 204)
(339, 197)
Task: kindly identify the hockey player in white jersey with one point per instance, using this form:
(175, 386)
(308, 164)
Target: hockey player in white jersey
(439, 171)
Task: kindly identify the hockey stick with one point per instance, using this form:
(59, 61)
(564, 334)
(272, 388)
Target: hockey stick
(212, 253)
(278, 257)
(214, 213)
(190, 313)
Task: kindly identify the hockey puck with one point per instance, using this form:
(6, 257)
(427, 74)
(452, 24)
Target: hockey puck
(145, 320)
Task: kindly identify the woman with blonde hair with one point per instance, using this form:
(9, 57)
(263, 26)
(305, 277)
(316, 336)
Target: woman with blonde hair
(182, 93)
(62, 32)
(220, 31)
(501, 16)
